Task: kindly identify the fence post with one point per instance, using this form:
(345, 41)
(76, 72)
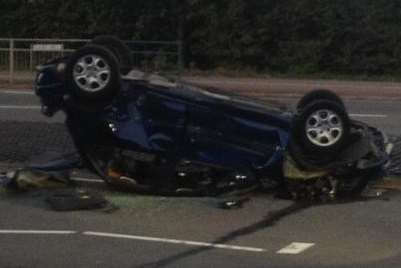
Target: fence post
(31, 58)
(180, 58)
(11, 61)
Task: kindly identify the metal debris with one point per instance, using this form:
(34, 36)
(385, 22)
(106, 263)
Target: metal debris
(394, 166)
(30, 179)
(78, 199)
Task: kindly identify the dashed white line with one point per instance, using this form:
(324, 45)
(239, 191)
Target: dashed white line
(174, 241)
(87, 180)
(17, 92)
(295, 248)
(291, 249)
(40, 232)
(20, 107)
(369, 115)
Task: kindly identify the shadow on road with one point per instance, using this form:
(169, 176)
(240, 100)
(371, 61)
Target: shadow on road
(269, 220)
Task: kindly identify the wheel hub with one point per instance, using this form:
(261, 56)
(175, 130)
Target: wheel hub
(324, 128)
(91, 73)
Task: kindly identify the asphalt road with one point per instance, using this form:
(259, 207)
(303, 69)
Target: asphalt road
(190, 232)
(273, 87)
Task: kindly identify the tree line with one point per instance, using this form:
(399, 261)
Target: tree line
(359, 37)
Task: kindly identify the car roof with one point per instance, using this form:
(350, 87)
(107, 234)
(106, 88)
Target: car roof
(190, 89)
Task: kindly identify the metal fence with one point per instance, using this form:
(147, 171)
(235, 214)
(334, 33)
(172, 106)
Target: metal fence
(19, 57)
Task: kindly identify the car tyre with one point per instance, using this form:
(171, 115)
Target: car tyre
(321, 129)
(319, 94)
(120, 50)
(92, 74)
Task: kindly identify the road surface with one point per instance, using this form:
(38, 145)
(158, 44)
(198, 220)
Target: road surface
(189, 232)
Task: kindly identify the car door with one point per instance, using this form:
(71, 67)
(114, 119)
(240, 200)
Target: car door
(222, 137)
(164, 120)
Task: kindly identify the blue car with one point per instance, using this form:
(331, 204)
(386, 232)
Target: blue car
(144, 132)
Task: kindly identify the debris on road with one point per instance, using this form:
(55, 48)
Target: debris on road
(394, 166)
(78, 199)
(60, 192)
(234, 203)
(30, 179)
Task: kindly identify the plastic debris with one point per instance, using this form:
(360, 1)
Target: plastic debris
(78, 199)
(29, 179)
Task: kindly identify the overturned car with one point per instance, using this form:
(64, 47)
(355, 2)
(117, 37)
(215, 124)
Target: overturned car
(143, 132)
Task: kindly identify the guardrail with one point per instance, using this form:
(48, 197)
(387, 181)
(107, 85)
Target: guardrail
(19, 56)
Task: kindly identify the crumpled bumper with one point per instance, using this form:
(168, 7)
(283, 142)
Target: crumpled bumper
(370, 148)
(380, 148)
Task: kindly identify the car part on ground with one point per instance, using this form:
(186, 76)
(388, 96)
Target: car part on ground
(170, 138)
(394, 166)
(78, 199)
(30, 179)
(234, 203)
(59, 189)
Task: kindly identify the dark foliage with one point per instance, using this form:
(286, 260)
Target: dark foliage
(360, 37)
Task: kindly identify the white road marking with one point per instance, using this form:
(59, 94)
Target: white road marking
(87, 180)
(292, 249)
(174, 241)
(369, 115)
(295, 248)
(17, 92)
(20, 107)
(44, 232)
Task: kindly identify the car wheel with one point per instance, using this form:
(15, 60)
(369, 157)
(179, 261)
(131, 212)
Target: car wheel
(319, 94)
(120, 50)
(93, 74)
(322, 128)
